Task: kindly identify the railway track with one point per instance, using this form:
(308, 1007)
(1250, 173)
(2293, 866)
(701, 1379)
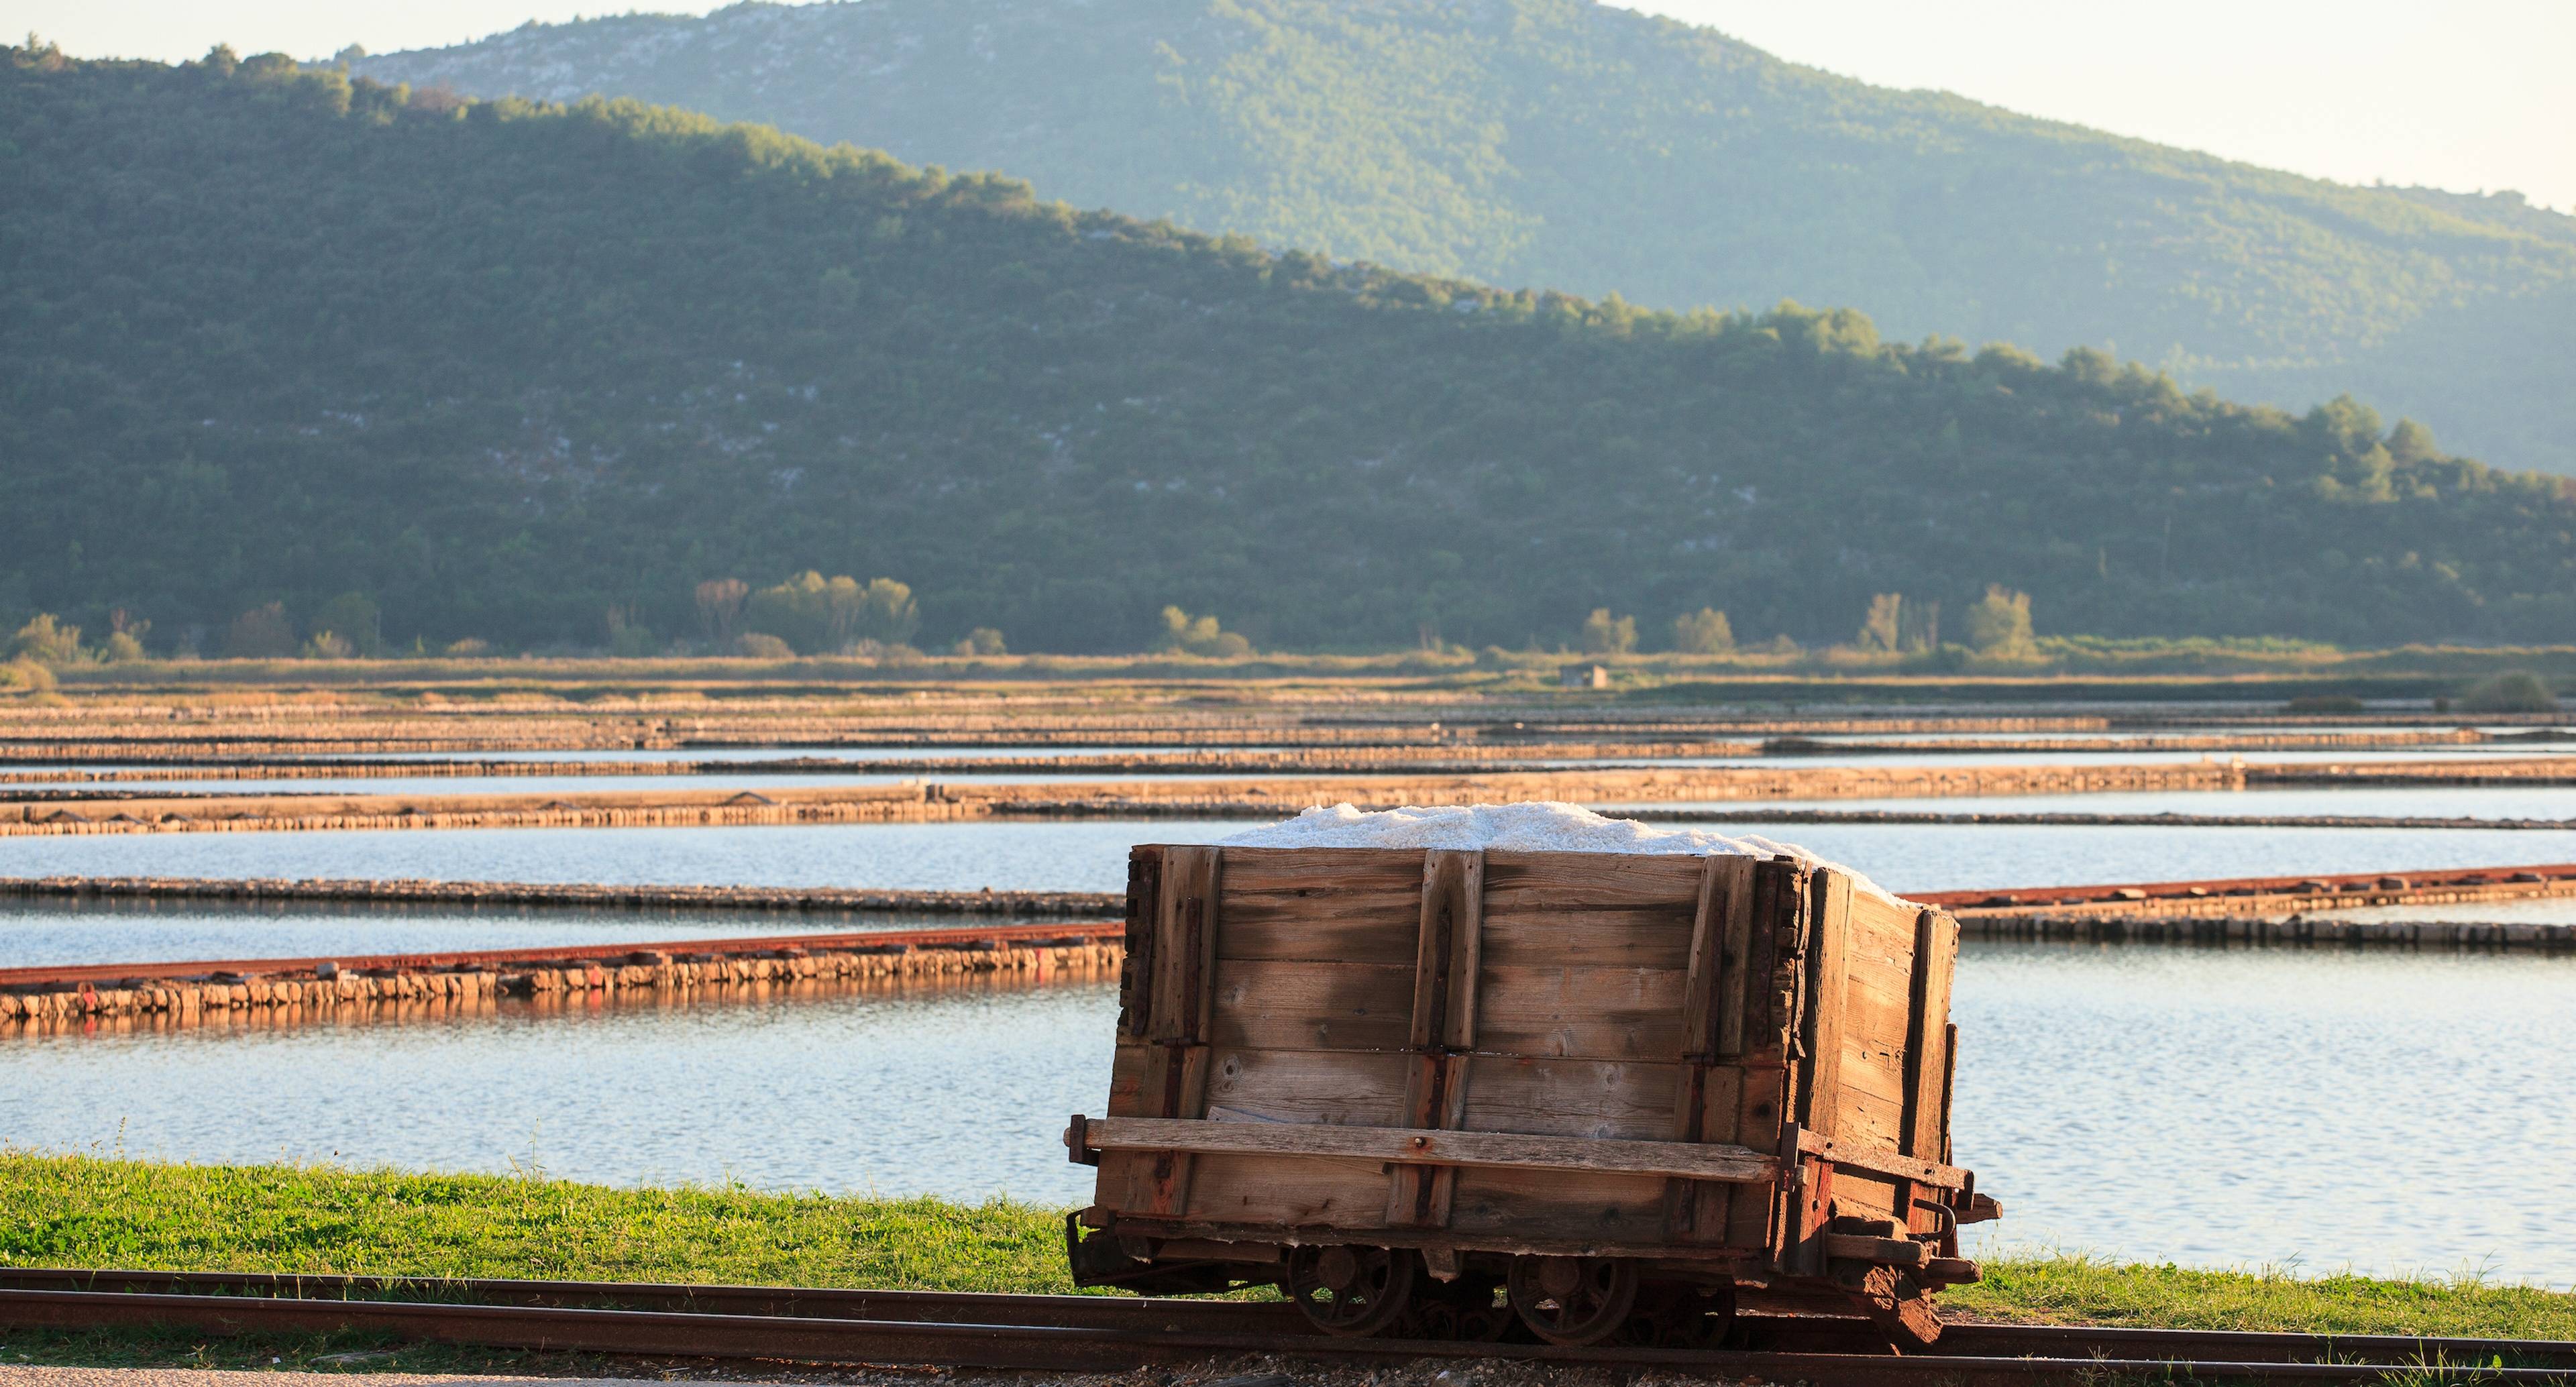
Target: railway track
(1084, 1333)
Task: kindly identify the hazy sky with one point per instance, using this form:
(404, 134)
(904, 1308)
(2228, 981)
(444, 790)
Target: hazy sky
(2460, 94)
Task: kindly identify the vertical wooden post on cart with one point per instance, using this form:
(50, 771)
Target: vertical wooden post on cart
(1924, 1128)
(1448, 954)
(1820, 1094)
(1772, 996)
(1709, 1097)
(1167, 989)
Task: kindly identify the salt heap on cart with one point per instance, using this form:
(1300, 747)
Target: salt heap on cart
(1540, 826)
(1438, 1071)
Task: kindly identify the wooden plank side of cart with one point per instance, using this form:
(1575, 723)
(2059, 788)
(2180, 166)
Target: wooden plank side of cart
(1632, 1050)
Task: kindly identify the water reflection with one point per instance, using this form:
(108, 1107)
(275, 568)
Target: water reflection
(959, 1091)
(2310, 1107)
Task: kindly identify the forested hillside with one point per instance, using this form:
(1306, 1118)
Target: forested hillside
(266, 335)
(1568, 145)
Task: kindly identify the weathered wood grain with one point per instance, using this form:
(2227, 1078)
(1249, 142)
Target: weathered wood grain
(1262, 1004)
(1356, 1088)
(1581, 1013)
(1541, 1206)
(1617, 938)
(1414, 1146)
(1449, 943)
(1820, 1104)
(1290, 1191)
(1571, 1098)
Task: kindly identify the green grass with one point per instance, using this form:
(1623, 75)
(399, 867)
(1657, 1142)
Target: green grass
(2081, 1290)
(86, 1211)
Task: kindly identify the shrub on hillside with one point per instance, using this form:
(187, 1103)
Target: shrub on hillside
(1704, 632)
(1999, 625)
(814, 614)
(262, 633)
(1198, 635)
(46, 641)
(25, 676)
(2516, 691)
(354, 618)
(1604, 634)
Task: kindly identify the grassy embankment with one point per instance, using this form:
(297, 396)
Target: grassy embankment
(82, 1211)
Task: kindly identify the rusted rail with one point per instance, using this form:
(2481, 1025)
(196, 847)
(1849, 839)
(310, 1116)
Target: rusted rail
(1105, 1333)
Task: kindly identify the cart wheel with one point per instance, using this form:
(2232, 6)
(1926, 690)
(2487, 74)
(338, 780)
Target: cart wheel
(1463, 1309)
(1351, 1291)
(1679, 1316)
(1573, 1300)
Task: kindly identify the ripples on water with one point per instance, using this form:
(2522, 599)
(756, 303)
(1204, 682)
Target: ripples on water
(2380, 1110)
(1091, 855)
(961, 1092)
(2306, 1108)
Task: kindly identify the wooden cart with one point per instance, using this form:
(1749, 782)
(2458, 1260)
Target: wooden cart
(1598, 1094)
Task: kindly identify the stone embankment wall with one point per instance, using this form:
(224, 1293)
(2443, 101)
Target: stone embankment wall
(330, 990)
(2256, 929)
(404, 891)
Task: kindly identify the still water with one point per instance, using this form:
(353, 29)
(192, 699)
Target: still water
(34, 932)
(1091, 855)
(2553, 802)
(2300, 1108)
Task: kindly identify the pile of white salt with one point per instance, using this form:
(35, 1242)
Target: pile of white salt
(1544, 826)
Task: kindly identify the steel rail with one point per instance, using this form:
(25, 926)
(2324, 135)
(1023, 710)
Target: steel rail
(1021, 1346)
(1015, 1331)
(1095, 1311)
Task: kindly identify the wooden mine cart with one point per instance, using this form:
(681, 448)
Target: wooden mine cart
(1597, 1094)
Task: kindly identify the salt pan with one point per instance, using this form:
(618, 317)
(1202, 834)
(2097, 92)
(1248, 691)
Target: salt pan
(1544, 826)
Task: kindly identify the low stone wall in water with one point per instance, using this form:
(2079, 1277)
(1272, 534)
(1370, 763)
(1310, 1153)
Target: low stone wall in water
(2256, 929)
(189, 1000)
